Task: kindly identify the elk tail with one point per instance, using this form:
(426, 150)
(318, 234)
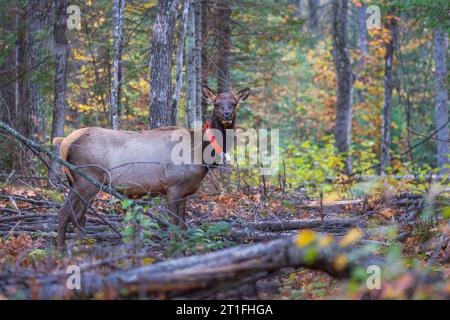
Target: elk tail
(57, 141)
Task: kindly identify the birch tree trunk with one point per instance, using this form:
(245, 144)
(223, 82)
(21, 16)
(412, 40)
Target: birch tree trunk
(118, 17)
(224, 56)
(161, 65)
(190, 69)
(361, 25)
(180, 54)
(61, 47)
(363, 45)
(299, 12)
(194, 65)
(388, 87)
(205, 62)
(441, 102)
(344, 75)
(198, 59)
(313, 16)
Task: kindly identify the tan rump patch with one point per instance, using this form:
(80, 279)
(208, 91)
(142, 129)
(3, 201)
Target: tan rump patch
(57, 141)
(65, 147)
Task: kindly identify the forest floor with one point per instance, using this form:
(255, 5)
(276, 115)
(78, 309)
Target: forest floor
(216, 221)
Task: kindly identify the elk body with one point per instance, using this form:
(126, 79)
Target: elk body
(139, 163)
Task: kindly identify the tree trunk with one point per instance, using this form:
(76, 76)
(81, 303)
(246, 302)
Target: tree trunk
(198, 59)
(32, 22)
(118, 17)
(161, 65)
(61, 53)
(363, 46)
(441, 102)
(224, 54)
(190, 69)
(9, 152)
(388, 87)
(299, 12)
(313, 16)
(344, 77)
(180, 54)
(194, 65)
(361, 18)
(205, 62)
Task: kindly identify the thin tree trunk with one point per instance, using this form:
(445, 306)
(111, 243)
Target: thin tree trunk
(194, 65)
(8, 91)
(198, 59)
(61, 47)
(118, 21)
(441, 102)
(205, 62)
(363, 45)
(190, 69)
(361, 17)
(180, 54)
(344, 81)
(224, 55)
(388, 87)
(299, 12)
(161, 65)
(313, 16)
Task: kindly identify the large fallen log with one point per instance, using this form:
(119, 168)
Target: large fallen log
(182, 276)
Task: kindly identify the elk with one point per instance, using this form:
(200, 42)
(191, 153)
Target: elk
(140, 163)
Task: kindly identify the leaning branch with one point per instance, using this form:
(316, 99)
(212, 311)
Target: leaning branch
(37, 147)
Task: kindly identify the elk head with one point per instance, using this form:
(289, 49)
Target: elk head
(225, 105)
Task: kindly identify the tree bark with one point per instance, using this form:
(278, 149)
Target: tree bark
(8, 90)
(361, 24)
(344, 77)
(299, 12)
(198, 59)
(118, 21)
(194, 65)
(61, 47)
(441, 100)
(161, 65)
(224, 54)
(388, 87)
(180, 55)
(205, 62)
(363, 45)
(313, 16)
(190, 69)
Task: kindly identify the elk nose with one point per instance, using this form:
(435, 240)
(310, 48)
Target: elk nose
(227, 115)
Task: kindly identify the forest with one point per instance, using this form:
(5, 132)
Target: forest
(224, 149)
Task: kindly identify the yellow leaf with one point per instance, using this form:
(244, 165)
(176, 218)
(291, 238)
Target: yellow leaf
(325, 241)
(351, 236)
(340, 262)
(148, 260)
(304, 238)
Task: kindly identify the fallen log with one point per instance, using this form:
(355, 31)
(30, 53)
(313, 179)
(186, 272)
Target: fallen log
(180, 277)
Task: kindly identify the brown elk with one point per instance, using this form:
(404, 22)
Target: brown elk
(140, 163)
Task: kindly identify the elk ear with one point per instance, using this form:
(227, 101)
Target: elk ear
(243, 94)
(209, 94)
